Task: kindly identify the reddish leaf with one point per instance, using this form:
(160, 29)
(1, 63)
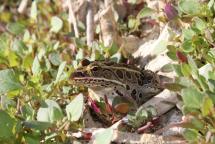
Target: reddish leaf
(182, 58)
(122, 108)
(94, 106)
(87, 136)
(170, 11)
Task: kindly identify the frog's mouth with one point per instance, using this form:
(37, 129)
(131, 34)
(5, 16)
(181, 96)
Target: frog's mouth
(84, 79)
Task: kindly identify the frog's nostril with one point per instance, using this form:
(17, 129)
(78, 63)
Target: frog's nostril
(77, 74)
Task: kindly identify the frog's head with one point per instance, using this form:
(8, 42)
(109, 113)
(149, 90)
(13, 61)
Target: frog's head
(89, 74)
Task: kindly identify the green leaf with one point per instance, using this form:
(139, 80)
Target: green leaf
(173, 86)
(26, 36)
(145, 12)
(60, 71)
(8, 81)
(28, 112)
(188, 34)
(185, 69)
(177, 69)
(193, 66)
(56, 24)
(203, 83)
(207, 106)
(80, 54)
(13, 59)
(190, 134)
(36, 66)
(167, 68)
(55, 58)
(211, 3)
(172, 52)
(56, 45)
(191, 7)
(113, 49)
(33, 14)
(204, 70)
(37, 125)
(74, 109)
(16, 28)
(66, 89)
(50, 111)
(199, 24)
(27, 62)
(4, 43)
(132, 23)
(172, 55)
(197, 123)
(7, 125)
(104, 137)
(192, 98)
(187, 46)
(32, 139)
(160, 47)
(19, 47)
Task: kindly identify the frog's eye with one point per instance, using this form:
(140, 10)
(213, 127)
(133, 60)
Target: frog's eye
(95, 68)
(85, 62)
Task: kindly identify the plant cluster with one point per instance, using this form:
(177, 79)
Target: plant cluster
(194, 51)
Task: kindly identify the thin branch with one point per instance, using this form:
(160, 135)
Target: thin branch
(22, 6)
(72, 19)
(90, 23)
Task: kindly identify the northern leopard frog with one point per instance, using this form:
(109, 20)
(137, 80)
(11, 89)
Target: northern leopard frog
(118, 79)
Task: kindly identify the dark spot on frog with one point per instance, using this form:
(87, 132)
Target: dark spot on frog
(107, 73)
(119, 74)
(128, 75)
(127, 87)
(119, 93)
(137, 75)
(140, 95)
(146, 79)
(140, 82)
(133, 94)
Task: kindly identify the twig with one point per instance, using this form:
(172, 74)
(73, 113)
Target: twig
(72, 19)
(2, 100)
(90, 23)
(22, 6)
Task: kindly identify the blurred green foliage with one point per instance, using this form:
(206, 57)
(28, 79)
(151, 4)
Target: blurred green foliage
(194, 51)
(38, 52)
